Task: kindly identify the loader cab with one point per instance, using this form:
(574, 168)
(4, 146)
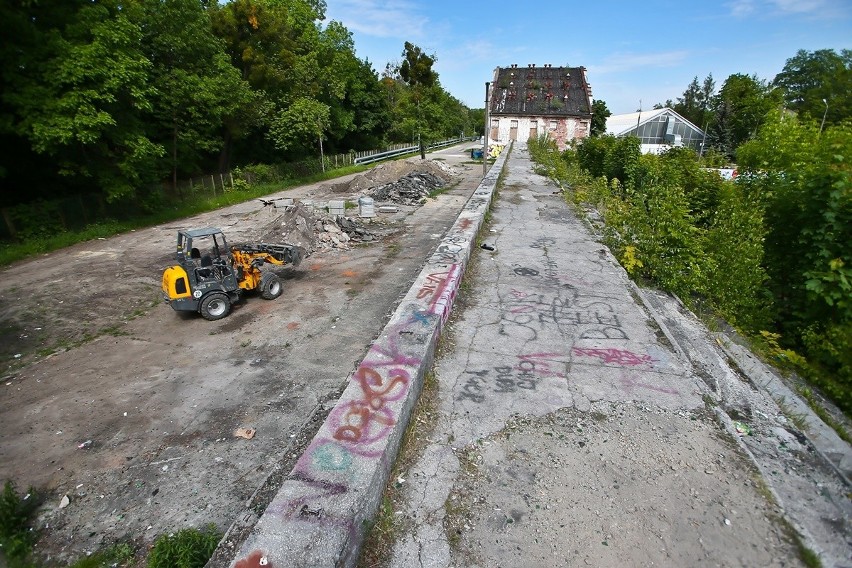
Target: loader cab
(204, 278)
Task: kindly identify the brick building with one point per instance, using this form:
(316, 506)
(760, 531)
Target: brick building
(526, 102)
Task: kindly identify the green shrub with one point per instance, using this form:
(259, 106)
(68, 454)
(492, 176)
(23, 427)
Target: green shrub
(187, 548)
(16, 533)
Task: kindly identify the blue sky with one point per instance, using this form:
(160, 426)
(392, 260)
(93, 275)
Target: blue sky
(633, 51)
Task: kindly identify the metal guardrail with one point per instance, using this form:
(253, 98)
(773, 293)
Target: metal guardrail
(409, 150)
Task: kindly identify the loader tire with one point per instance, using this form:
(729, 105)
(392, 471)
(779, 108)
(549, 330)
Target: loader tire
(215, 306)
(270, 286)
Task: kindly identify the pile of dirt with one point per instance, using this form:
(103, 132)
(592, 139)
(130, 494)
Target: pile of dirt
(300, 226)
(411, 189)
(390, 172)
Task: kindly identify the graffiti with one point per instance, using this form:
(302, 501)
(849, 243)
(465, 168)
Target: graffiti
(475, 203)
(618, 356)
(447, 254)
(433, 281)
(445, 293)
(464, 224)
(539, 364)
(524, 271)
(329, 455)
(367, 420)
(587, 318)
(506, 379)
(256, 559)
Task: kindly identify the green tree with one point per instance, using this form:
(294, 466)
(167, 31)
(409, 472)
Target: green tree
(198, 89)
(599, 115)
(81, 91)
(694, 105)
(811, 77)
(300, 125)
(740, 108)
(416, 71)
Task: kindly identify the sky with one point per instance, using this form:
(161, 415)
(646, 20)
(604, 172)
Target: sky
(636, 54)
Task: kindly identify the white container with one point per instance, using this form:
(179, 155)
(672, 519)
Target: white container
(337, 207)
(365, 207)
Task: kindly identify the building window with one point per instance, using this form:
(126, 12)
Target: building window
(553, 125)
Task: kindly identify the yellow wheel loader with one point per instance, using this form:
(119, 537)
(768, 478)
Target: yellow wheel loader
(210, 276)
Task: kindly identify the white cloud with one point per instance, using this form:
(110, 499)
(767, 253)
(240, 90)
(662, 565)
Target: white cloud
(812, 8)
(617, 62)
(380, 18)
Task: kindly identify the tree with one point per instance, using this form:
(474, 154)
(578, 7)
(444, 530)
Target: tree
(416, 71)
(740, 108)
(81, 91)
(599, 115)
(198, 90)
(695, 103)
(809, 78)
(301, 124)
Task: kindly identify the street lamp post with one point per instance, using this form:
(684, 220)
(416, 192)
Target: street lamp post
(825, 102)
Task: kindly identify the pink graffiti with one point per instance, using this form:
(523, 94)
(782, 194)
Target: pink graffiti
(617, 356)
(367, 420)
(518, 294)
(443, 298)
(539, 364)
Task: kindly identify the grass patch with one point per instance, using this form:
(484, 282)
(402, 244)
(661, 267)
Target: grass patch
(187, 548)
(120, 554)
(17, 535)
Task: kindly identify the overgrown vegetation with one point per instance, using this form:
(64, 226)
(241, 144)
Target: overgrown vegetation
(187, 548)
(769, 252)
(46, 241)
(17, 534)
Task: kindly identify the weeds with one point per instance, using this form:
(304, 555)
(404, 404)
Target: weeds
(120, 554)
(187, 548)
(17, 535)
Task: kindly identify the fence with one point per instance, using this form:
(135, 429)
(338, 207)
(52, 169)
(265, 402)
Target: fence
(45, 218)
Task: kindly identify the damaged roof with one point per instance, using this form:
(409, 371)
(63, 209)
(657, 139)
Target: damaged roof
(540, 91)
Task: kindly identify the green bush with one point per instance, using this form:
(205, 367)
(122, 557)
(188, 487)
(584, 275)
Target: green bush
(187, 548)
(17, 536)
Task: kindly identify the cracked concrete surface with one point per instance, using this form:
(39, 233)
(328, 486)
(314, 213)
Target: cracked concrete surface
(580, 426)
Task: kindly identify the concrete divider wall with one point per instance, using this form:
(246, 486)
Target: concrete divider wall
(320, 514)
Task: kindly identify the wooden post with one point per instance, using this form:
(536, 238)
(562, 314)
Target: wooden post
(213, 181)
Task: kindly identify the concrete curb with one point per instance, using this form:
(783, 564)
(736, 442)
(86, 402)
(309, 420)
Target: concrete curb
(320, 513)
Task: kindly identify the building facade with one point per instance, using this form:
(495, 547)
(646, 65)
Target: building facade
(527, 102)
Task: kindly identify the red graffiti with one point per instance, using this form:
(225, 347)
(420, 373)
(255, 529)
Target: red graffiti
(539, 364)
(464, 224)
(433, 282)
(254, 560)
(617, 356)
(366, 420)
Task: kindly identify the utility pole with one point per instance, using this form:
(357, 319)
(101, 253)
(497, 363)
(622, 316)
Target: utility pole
(825, 102)
(485, 138)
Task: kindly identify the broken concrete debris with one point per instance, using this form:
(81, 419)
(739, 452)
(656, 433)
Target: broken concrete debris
(412, 189)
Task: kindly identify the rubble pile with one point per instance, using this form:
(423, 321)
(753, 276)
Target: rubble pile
(390, 172)
(339, 232)
(411, 189)
(301, 226)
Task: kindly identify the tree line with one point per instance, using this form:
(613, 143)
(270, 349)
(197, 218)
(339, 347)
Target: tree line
(815, 85)
(770, 251)
(117, 96)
